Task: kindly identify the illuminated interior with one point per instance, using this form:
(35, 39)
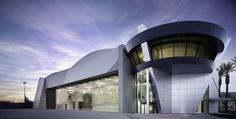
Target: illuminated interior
(177, 46)
(141, 94)
(184, 46)
(97, 95)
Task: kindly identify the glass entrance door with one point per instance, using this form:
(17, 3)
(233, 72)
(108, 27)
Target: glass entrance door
(145, 99)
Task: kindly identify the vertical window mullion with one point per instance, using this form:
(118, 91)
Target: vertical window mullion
(135, 61)
(132, 60)
(137, 57)
(197, 47)
(161, 50)
(174, 48)
(186, 47)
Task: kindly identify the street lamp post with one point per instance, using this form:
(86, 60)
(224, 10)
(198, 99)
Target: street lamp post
(24, 91)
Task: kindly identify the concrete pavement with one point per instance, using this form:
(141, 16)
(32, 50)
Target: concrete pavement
(70, 114)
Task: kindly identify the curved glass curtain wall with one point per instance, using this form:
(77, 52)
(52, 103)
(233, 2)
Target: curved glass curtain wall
(136, 56)
(184, 46)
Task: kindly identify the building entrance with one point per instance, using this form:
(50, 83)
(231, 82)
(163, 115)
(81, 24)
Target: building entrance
(145, 99)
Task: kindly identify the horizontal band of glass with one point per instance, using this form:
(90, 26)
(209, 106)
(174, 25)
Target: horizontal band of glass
(187, 46)
(177, 46)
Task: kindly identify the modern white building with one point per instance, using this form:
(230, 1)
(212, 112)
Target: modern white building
(165, 69)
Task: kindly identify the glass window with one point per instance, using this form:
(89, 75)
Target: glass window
(191, 45)
(201, 50)
(208, 54)
(204, 41)
(156, 52)
(140, 55)
(213, 54)
(211, 51)
(97, 95)
(191, 49)
(132, 60)
(179, 49)
(135, 56)
(141, 94)
(167, 50)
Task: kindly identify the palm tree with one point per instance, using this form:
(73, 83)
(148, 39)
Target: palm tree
(220, 74)
(228, 68)
(234, 60)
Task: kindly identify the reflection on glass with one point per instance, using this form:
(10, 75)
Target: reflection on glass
(201, 51)
(180, 49)
(97, 95)
(137, 56)
(156, 52)
(177, 46)
(167, 50)
(191, 49)
(132, 60)
(140, 55)
(141, 94)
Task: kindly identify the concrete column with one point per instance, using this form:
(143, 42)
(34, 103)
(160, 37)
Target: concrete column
(126, 82)
(40, 96)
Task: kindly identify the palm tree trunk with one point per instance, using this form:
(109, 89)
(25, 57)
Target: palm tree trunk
(227, 84)
(227, 90)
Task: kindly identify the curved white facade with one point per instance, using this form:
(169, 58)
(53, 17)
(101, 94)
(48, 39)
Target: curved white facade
(94, 64)
(147, 82)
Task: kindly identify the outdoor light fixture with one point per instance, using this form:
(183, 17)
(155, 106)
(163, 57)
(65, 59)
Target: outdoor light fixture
(24, 92)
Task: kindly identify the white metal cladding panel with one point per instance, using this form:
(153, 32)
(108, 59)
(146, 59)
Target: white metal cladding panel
(95, 63)
(56, 79)
(163, 85)
(40, 96)
(188, 91)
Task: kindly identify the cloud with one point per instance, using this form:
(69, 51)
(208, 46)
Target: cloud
(41, 37)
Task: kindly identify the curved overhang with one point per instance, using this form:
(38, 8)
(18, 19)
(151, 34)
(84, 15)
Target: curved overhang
(94, 64)
(179, 65)
(183, 27)
(56, 78)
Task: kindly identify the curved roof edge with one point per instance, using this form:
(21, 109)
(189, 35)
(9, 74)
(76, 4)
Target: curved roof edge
(55, 73)
(90, 65)
(89, 54)
(181, 27)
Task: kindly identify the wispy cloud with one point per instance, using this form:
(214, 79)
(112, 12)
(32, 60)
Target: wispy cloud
(41, 37)
(71, 31)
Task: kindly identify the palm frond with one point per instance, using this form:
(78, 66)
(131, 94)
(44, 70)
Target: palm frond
(228, 67)
(221, 70)
(234, 60)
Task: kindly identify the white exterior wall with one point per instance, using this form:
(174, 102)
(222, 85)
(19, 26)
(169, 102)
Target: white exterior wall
(163, 86)
(40, 96)
(183, 93)
(126, 83)
(94, 64)
(188, 91)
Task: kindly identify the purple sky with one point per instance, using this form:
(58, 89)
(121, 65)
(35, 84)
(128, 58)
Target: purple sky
(38, 38)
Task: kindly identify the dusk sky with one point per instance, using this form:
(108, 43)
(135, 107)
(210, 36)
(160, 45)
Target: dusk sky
(39, 37)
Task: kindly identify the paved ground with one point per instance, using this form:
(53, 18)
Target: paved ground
(173, 116)
(62, 114)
